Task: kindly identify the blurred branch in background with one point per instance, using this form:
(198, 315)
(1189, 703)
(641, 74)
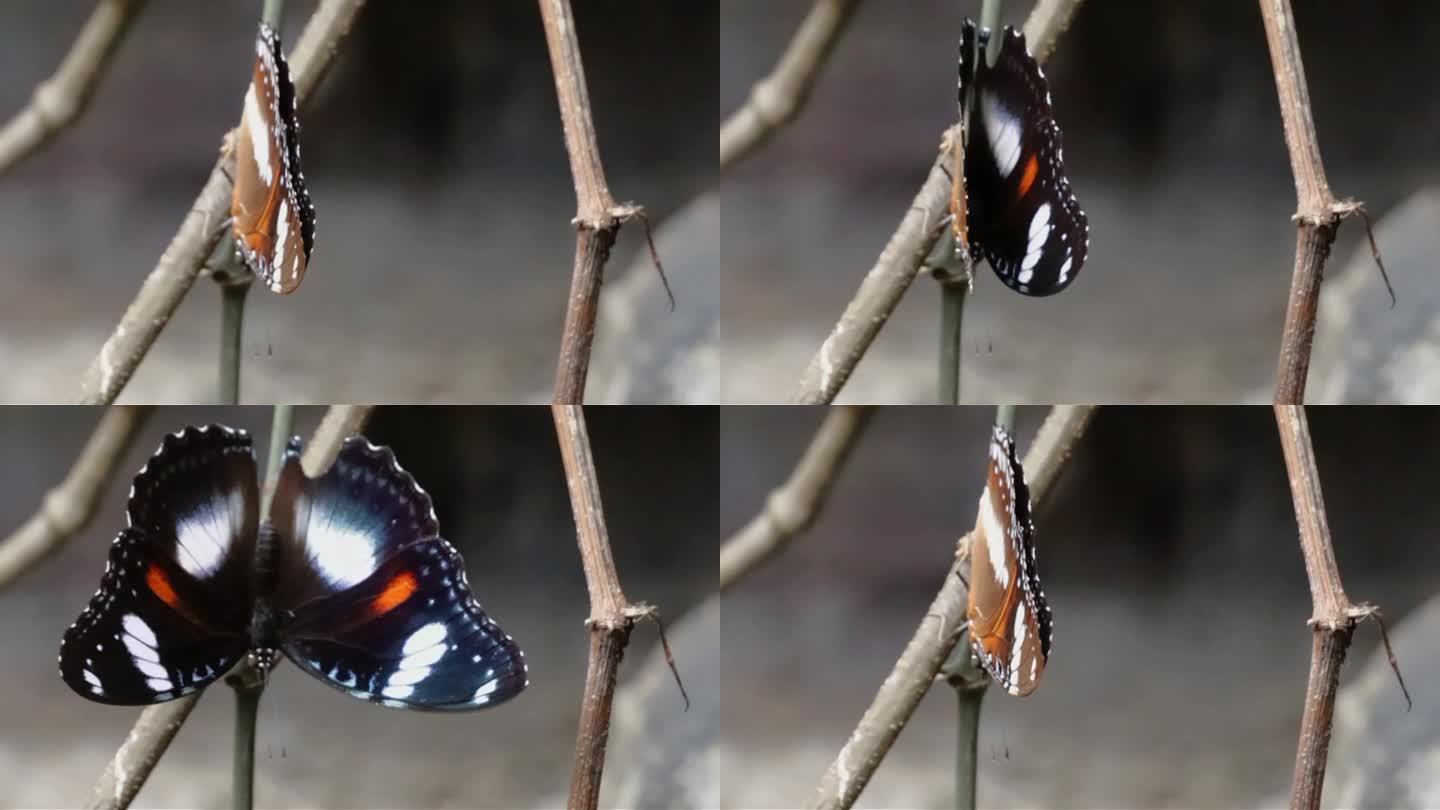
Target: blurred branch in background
(60, 99)
(612, 616)
(598, 217)
(792, 507)
(899, 263)
(777, 98)
(1318, 214)
(157, 725)
(937, 632)
(69, 507)
(1334, 617)
(180, 264)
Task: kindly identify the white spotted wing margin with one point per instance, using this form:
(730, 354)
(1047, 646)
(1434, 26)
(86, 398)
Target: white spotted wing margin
(1009, 619)
(151, 632)
(411, 636)
(1022, 216)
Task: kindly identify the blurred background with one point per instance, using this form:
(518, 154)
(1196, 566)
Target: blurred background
(499, 489)
(434, 154)
(1174, 145)
(1169, 552)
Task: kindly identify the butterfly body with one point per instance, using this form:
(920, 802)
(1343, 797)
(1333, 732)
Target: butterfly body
(273, 220)
(1009, 619)
(346, 576)
(1018, 211)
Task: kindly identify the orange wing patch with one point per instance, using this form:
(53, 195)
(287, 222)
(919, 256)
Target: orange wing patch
(1032, 168)
(159, 585)
(396, 592)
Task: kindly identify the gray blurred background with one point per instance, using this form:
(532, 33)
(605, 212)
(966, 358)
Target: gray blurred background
(1169, 553)
(435, 158)
(1174, 144)
(498, 487)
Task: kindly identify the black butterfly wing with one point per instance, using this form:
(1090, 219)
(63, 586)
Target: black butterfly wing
(198, 500)
(336, 530)
(1022, 216)
(410, 635)
(151, 633)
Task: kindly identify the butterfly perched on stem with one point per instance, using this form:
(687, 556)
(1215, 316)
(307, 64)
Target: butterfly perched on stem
(272, 218)
(347, 576)
(1009, 619)
(1018, 212)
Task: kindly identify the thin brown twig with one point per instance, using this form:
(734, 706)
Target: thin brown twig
(937, 633)
(1334, 616)
(776, 99)
(68, 508)
(792, 506)
(59, 100)
(598, 217)
(1318, 212)
(163, 290)
(157, 726)
(612, 616)
(908, 247)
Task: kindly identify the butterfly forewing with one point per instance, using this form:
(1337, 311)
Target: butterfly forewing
(339, 528)
(1022, 216)
(274, 221)
(410, 635)
(1009, 618)
(198, 501)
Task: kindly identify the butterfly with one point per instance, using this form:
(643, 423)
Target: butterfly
(1009, 619)
(1018, 212)
(347, 576)
(272, 219)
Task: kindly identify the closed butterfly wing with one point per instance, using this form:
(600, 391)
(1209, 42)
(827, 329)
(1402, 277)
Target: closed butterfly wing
(274, 220)
(173, 609)
(1009, 619)
(1022, 216)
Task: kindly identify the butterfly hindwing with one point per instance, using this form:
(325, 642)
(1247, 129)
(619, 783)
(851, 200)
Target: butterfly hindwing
(1009, 618)
(151, 632)
(1022, 216)
(410, 635)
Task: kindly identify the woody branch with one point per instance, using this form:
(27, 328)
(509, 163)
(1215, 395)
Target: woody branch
(597, 219)
(59, 100)
(1318, 215)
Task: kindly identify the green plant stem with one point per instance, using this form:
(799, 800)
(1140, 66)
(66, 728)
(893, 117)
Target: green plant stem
(970, 683)
(247, 709)
(1005, 417)
(273, 11)
(232, 327)
(281, 420)
(952, 315)
(990, 18)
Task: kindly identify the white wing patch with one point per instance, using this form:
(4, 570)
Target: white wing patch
(1003, 129)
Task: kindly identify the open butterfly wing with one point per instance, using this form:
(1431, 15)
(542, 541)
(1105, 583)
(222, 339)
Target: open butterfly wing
(338, 529)
(152, 632)
(410, 635)
(1022, 216)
